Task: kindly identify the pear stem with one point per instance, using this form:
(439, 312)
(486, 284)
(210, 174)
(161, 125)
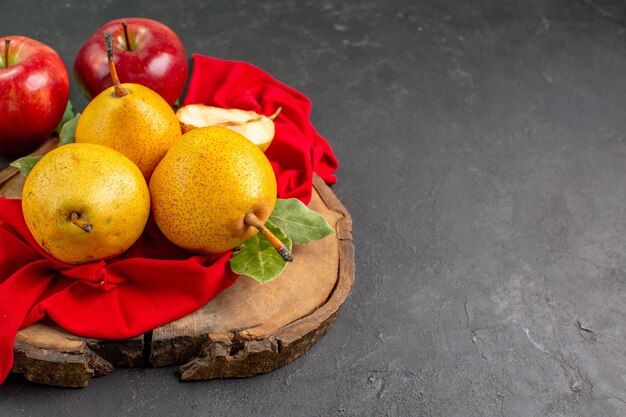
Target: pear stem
(125, 26)
(280, 247)
(6, 52)
(276, 113)
(75, 219)
(119, 90)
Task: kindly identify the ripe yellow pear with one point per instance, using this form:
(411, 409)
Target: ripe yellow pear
(213, 190)
(84, 202)
(131, 119)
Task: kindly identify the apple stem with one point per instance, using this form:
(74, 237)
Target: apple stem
(119, 90)
(280, 247)
(276, 113)
(6, 52)
(75, 219)
(125, 26)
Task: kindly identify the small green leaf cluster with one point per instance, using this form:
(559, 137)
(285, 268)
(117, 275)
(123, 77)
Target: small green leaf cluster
(293, 223)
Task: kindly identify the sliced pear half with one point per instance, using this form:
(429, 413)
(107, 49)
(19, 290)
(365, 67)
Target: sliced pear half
(259, 129)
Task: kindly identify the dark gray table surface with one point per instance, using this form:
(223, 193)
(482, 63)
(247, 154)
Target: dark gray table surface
(483, 159)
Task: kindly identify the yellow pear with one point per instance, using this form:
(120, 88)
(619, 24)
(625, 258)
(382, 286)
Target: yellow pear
(257, 128)
(84, 202)
(213, 190)
(131, 119)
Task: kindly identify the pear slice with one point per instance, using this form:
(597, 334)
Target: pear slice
(257, 128)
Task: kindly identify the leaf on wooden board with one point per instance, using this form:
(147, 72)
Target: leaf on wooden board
(258, 259)
(26, 164)
(299, 222)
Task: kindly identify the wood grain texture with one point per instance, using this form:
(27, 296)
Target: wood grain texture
(49, 355)
(247, 329)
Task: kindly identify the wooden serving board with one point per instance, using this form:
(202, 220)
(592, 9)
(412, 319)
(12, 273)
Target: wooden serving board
(246, 330)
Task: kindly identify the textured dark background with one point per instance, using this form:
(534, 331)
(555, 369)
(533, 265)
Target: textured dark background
(482, 148)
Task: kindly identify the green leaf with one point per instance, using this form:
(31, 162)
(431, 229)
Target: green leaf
(26, 164)
(299, 222)
(258, 259)
(68, 131)
(69, 113)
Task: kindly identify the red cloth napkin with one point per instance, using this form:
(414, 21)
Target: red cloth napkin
(154, 282)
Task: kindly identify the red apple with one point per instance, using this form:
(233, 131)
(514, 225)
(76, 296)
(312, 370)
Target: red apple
(145, 52)
(34, 88)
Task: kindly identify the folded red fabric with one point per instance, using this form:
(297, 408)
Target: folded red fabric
(116, 299)
(143, 289)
